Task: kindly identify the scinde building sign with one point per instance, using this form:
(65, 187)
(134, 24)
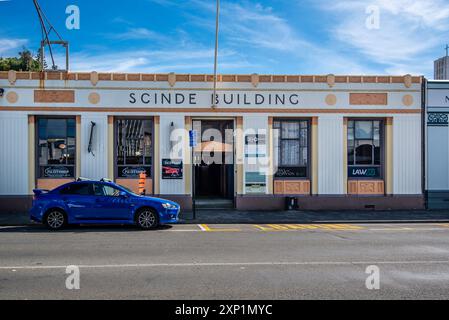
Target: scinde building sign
(158, 98)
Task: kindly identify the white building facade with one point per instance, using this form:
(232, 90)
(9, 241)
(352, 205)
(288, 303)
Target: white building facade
(333, 142)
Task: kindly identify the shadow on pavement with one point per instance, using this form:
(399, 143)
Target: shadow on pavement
(36, 228)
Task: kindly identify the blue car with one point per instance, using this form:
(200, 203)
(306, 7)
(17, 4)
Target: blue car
(100, 202)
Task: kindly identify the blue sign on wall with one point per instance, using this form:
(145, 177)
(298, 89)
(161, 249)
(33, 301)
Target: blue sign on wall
(192, 138)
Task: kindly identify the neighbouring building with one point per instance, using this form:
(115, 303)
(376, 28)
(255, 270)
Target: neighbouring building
(441, 67)
(332, 141)
(437, 144)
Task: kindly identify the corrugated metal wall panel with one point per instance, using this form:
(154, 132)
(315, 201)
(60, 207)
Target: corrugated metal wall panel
(94, 166)
(407, 154)
(13, 154)
(330, 154)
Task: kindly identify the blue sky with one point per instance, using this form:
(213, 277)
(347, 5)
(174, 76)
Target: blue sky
(280, 37)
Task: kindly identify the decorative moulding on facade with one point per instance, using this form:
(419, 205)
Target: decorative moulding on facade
(330, 79)
(12, 97)
(368, 99)
(366, 187)
(54, 96)
(172, 79)
(94, 98)
(255, 80)
(94, 78)
(407, 80)
(331, 99)
(291, 187)
(12, 77)
(407, 100)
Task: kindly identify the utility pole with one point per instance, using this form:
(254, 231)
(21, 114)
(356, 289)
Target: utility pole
(216, 54)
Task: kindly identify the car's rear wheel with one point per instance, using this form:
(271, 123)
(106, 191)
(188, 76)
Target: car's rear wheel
(147, 218)
(55, 219)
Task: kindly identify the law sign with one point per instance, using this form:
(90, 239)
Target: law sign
(364, 172)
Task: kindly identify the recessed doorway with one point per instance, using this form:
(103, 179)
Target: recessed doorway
(214, 162)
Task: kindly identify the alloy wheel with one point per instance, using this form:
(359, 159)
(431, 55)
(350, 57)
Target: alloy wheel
(55, 219)
(147, 219)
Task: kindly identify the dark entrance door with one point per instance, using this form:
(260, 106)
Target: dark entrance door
(214, 174)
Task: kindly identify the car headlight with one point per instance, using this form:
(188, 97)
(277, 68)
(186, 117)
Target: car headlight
(169, 206)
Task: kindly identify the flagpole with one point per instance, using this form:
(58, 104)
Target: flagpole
(216, 54)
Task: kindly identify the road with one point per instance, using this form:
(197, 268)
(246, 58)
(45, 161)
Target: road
(321, 261)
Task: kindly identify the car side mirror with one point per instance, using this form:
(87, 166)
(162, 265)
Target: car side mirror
(123, 194)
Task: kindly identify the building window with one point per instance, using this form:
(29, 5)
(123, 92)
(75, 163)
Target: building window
(291, 148)
(56, 147)
(134, 138)
(364, 148)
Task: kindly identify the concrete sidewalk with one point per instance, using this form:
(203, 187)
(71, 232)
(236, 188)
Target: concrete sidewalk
(232, 216)
(224, 217)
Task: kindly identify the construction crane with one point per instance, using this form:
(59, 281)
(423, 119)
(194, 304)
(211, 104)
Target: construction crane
(46, 29)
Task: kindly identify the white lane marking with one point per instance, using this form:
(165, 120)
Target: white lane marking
(406, 229)
(14, 226)
(201, 227)
(231, 264)
(180, 230)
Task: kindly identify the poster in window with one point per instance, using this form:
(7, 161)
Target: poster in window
(255, 183)
(133, 171)
(57, 171)
(171, 169)
(255, 145)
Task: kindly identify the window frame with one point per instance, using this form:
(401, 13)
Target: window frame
(309, 147)
(382, 149)
(115, 150)
(37, 166)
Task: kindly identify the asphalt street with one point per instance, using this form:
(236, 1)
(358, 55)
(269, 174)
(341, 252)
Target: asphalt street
(232, 261)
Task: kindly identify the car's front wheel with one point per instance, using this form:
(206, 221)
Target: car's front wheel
(147, 218)
(55, 219)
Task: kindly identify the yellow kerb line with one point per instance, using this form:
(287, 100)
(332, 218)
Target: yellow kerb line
(205, 227)
(290, 227)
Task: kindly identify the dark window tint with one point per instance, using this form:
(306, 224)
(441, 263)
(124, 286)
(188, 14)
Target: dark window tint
(133, 148)
(291, 148)
(105, 190)
(83, 189)
(56, 149)
(134, 137)
(364, 145)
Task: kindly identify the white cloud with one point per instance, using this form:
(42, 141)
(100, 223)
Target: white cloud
(11, 46)
(185, 61)
(140, 34)
(259, 33)
(410, 34)
(256, 38)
